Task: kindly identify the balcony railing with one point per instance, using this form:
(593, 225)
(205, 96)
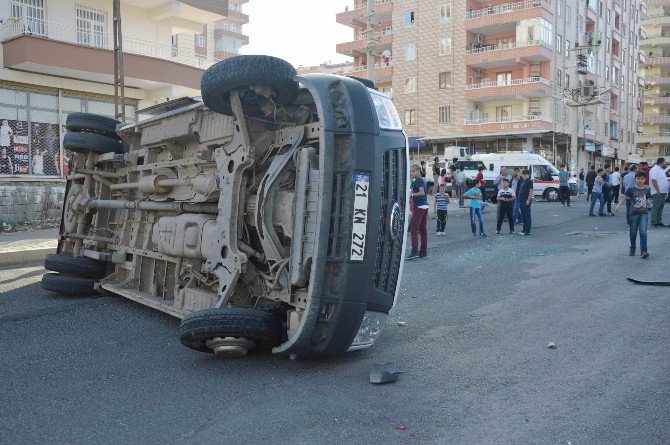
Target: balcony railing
(528, 80)
(102, 40)
(504, 46)
(661, 119)
(505, 8)
(657, 80)
(658, 138)
(503, 120)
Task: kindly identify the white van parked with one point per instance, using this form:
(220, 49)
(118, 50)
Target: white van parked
(544, 173)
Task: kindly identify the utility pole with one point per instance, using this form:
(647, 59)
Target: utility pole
(581, 96)
(119, 82)
(371, 40)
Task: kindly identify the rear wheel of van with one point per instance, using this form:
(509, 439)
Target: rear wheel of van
(68, 285)
(551, 194)
(92, 123)
(74, 266)
(91, 142)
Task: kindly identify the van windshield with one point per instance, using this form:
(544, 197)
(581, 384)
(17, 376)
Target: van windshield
(471, 165)
(553, 170)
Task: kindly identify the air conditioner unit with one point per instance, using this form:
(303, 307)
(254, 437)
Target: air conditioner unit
(479, 72)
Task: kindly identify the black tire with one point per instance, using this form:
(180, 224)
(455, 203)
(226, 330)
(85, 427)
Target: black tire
(552, 195)
(367, 82)
(254, 324)
(241, 71)
(67, 285)
(92, 123)
(86, 142)
(78, 267)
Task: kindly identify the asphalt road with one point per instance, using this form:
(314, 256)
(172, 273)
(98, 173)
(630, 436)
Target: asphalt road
(479, 312)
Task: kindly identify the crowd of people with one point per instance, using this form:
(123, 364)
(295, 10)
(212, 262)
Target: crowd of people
(642, 189)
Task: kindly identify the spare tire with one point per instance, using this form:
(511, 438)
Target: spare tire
(241, 71)
(79, 267)
(92, 123)
(97, 143)
(263, 327)
(68, 285)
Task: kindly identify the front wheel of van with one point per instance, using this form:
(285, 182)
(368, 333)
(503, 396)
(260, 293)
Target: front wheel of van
(551, 195)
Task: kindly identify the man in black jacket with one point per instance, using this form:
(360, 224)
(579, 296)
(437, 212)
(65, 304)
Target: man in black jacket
(590, 179)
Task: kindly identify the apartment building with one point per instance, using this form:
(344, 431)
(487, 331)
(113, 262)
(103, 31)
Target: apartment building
(56, 57)
(655, 45)
(496, 76)
(229, 37)
(341, 69)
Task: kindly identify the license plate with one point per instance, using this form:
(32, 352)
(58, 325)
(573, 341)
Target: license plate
(360, 220)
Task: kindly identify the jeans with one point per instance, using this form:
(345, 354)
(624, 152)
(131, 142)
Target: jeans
(607, 196)
(506, 209)
(581, 186)
(473, 226)
(628, 203)
(419, 220)
(564, 194)
(639, 222)
(442, 217)
(657, 209)
(461, 191)
(615, 193)
(516, 212)
(525, 216)
(599, 197)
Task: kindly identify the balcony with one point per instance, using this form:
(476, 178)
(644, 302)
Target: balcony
(659, 138)
(529, 87)
(656, 39)
(219, 32)
(384, 41)
(656, 120)
(504, 17)
(354, 17)
(238, 17)
(55, 49)
(656, 20)
(509, 54)
(657, 80)
(383, 71)
(658, 61)
(651, 99)
(514, 123)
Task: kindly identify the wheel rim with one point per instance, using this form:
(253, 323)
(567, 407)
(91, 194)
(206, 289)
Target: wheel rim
(230, 346)
(552, 195)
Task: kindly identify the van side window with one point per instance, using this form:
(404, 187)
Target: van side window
(542, 173)
(491, 167)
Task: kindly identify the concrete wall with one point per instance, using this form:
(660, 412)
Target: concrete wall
(31, 201)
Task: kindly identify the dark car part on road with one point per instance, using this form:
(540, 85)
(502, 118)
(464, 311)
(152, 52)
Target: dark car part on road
(78, 267)
(230, 331)
(649, 283)
(386, 373)
(68, 285)
(92, 123)
(97, 143)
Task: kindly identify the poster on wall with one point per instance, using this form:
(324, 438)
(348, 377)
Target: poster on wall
(14, 152)
(44, 148)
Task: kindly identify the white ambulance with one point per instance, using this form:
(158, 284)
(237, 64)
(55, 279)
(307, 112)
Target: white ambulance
(544, 173)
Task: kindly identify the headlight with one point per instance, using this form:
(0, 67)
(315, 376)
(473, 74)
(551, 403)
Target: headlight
(371, 326)
(386, 112)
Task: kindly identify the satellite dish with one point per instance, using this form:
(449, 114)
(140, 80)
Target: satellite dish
(386, 54)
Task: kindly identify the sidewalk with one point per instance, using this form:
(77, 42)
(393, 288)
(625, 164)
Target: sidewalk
(27, 247)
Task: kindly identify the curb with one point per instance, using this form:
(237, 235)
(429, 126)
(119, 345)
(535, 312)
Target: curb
(25, 256)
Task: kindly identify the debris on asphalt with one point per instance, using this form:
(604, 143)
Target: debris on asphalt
(400, 427)
(386, 373)
(551, 345)
(402, 323)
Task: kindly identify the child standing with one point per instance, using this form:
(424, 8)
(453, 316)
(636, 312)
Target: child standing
(475, 197)
(506, 197)
(441, 203)
(639, 217)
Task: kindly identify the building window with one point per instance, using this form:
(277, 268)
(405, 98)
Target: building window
(559, 7)
(445, 80)
(388, 91)
(568, 14)
(410, 117)
(409, 19)
(445, 115)
(410, 51)
(559, 78)
(503, 113)
(90, 26)
(410, 85)
(33, 12)
(175, 39)
(200, 41)
(445, 12)
(387, 30)
(559, 42)
(567, 80)
(504, 78)
(445, 46)
(600, 8)
(567, 47)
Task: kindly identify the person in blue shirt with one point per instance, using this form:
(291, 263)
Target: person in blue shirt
(564, 186)
(525, 197)
(475, 196)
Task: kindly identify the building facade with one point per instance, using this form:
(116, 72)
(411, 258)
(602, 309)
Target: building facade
(499, 76)
(228, 34)
(655, 139)
(56, 57)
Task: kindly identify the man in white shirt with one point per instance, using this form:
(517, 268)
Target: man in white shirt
(658, 183)
(615, 180)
